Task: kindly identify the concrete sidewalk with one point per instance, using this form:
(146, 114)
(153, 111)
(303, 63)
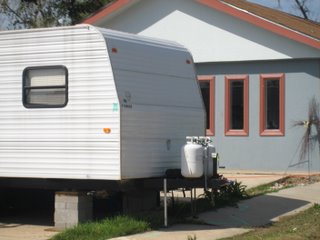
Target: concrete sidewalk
(230, 221)
(264, 209)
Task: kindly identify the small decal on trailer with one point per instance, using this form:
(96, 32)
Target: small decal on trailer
(126, 100)
(115, 107)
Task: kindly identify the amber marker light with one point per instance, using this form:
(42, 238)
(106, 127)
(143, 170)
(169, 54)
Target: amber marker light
(107, 130)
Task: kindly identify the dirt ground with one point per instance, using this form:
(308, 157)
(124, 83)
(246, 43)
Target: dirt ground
(300, 179)
(12, 231)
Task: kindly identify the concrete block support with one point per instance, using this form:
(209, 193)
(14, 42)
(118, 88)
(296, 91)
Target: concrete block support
(140, 200)
(71, 208)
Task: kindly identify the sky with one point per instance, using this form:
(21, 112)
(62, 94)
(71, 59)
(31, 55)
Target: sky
(282, 5)
(290, 6)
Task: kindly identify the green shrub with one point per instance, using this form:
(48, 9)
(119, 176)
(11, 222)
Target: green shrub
(194, 237)
(227, 195)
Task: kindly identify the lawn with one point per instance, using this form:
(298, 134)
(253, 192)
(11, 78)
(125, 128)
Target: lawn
(108, 228)
(304, 225)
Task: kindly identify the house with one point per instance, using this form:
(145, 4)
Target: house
(258, 69)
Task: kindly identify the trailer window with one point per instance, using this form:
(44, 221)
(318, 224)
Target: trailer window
(45, 87)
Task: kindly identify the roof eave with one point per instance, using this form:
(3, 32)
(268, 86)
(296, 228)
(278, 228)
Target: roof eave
(281, 30)
(261, 22)
(109, 10)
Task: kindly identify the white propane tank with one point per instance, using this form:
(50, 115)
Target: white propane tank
(210, 149)
(192, 160)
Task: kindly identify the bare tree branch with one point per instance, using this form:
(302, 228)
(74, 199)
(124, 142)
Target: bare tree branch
(7, 7)
(303, 8)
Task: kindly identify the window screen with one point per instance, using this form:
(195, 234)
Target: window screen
(207, 85)
(205, 90)
(236, 104)
(45, 87)
(272, 103)
(272, 108)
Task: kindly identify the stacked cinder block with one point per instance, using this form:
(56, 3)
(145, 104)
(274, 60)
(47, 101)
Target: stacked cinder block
(71, 208)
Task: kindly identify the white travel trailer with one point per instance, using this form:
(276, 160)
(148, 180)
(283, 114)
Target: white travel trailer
(88, 103)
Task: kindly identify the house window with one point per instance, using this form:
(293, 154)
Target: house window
(45, 87)
(236, 105)
(272, 105)
(206, 83)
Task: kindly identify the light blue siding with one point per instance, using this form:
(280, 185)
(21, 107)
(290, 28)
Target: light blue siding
(267, 153)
